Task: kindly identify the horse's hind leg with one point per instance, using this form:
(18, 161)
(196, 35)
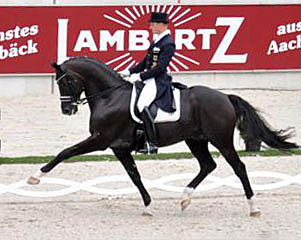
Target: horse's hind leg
(199, 149)
(129, 164)
(239, 168)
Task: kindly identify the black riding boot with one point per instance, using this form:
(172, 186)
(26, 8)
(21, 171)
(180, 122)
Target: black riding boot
(150, 132)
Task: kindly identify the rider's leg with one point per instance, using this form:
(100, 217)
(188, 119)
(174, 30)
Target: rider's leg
(150, 131)
(147, 96)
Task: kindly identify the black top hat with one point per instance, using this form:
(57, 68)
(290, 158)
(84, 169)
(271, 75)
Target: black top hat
(158, 17)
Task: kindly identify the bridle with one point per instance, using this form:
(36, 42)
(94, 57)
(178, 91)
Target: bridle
(70, 99)
(61, 77)
(67, 99)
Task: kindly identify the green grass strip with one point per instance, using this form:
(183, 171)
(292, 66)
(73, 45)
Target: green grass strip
(161, 156)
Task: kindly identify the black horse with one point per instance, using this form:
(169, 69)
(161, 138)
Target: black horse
(207, 116)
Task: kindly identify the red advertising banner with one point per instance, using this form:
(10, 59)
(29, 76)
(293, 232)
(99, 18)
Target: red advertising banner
(208, 38)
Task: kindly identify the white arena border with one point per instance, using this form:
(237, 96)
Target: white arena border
(89, 186)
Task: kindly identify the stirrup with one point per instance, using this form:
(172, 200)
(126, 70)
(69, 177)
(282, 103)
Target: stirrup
(149, 149)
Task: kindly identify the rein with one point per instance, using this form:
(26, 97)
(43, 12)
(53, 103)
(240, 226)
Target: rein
(98, 95)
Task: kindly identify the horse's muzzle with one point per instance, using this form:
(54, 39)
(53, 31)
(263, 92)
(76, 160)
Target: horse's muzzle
(69, 109)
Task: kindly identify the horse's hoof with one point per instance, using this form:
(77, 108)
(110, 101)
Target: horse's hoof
(185, 203)
(33, 181)
(147, 212)
(256, 213)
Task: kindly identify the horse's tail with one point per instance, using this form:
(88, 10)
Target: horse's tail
(257, 128)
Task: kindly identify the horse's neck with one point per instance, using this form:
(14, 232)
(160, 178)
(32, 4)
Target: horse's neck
(96, 78)
(100, 81)
(113, 95)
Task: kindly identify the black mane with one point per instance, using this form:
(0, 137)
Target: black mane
(111, 72)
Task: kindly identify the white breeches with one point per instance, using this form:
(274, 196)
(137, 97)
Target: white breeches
(148, 94)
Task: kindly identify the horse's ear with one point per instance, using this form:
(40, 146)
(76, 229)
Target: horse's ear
(55, 66)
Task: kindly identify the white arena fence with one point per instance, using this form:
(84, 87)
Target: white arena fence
(160, 183)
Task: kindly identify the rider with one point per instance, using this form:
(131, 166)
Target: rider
(153, 72)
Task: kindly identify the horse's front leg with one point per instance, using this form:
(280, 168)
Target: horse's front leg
(89, 145)
(129, 164)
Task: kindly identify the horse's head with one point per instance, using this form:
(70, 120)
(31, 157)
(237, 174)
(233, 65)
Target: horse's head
(70, 87)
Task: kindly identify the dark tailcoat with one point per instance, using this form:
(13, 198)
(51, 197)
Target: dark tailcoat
(154, 65)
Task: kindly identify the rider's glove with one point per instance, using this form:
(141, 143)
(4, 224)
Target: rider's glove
(124, 73)
(135, 77)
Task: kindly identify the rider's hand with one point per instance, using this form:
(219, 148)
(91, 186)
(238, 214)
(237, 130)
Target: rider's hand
(124, 73)
(135, 77)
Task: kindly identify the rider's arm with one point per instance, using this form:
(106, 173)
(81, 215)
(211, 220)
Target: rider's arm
(165, 56)
(139, 67)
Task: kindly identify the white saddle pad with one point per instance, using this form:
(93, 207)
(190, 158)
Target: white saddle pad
(161, 115)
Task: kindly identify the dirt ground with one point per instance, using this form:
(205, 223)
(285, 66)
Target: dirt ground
(220, 213)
